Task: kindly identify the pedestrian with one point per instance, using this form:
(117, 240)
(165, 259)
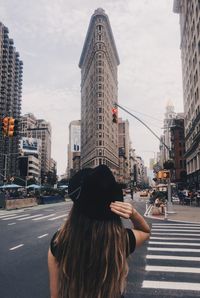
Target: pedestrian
(131, 193)
(87, 257)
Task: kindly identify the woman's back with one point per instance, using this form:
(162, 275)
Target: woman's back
(88, 255)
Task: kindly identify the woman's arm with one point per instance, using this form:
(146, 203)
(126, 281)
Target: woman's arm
(53, 275)
(141, 228)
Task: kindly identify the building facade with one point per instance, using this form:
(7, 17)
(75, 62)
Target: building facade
(124, 150)
(189, 15)
(39, 129)
(166, 137)
(140, 172)
(99, 92)
(11, 69)
(30, 158)
(74, 146)
(29, 167)
(178, 151)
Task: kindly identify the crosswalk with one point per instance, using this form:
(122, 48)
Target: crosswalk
(36, 217)
(173, 258)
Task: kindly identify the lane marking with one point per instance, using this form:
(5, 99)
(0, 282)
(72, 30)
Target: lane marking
(13, 223)
(178, 258)
(175, 230)
(15, 247)
(173, 249)
(174, 243)
(18, 216)
(44, 235)
(65, 215)
(32, 216)
(172, 269)
(176, 234)
(171, 285)
(173, 238)
(7, 215)
(43, 216)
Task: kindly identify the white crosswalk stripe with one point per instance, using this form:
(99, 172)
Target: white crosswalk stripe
(60, 216)
(28, 217)
(7, 215)
(42, 217)
(14, 217)
(173, 249)
(36, 217)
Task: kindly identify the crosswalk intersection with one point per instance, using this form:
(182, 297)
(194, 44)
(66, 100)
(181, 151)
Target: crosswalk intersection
(173, 258)
(22, 216)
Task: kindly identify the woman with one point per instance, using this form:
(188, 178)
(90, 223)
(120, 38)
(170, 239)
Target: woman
(87, 257)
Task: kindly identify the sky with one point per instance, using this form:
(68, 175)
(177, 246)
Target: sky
(49, 35)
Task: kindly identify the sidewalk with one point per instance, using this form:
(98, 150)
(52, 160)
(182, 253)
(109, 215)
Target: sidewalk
(182, 213)
(37, 207)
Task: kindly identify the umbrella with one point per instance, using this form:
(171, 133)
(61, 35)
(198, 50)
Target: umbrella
(10, 186)
(34, 186)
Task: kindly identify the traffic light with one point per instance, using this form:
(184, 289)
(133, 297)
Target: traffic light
(159, 175)
(166, 174)
(5, 123)
(114, 115)
(12, 127)
(163, 174)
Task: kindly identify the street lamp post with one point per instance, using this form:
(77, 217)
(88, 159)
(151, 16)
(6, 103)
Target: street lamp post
(5, 163)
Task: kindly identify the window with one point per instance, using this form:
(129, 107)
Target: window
(100, 78)
(100, 94)
(99, 70)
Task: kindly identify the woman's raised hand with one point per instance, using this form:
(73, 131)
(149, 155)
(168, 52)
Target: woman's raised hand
(122, 209)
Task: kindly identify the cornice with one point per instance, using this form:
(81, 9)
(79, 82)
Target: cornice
(98, 13)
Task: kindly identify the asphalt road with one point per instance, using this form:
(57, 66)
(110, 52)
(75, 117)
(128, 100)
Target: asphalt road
(25, 236)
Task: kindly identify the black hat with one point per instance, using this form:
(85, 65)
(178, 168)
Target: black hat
(92, 191)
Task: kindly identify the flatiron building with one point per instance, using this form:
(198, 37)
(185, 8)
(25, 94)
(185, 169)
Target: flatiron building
(99, 91)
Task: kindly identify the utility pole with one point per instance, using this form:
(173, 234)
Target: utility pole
(5, 168)
(6, 164)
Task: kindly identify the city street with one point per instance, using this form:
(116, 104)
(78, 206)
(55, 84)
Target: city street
(171, 259)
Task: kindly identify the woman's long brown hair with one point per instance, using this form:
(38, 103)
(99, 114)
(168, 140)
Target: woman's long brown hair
(91, 257)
